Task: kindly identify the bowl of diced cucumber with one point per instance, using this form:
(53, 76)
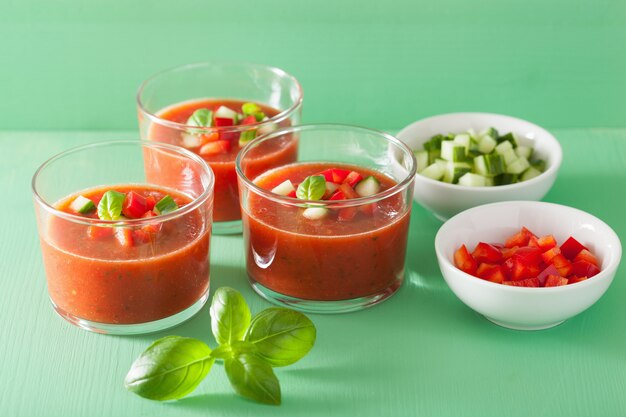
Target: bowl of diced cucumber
(469, 159)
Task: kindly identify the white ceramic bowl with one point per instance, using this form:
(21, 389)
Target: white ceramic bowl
(445, 200)
(517, 307)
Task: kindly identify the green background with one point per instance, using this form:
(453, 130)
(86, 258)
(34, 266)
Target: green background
(71, 64)
(75, 66)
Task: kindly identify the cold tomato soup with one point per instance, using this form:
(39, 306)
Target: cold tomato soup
(127, 275)
(317, 254)
(221, 146)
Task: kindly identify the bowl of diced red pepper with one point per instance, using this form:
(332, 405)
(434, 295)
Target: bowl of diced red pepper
(527, 265)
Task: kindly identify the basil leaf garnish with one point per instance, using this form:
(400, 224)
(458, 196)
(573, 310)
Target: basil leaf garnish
(312, 188)
(281, 336)
(201, 118)
(170, 368)
(230, 315)
(110, 206)
(253, 378)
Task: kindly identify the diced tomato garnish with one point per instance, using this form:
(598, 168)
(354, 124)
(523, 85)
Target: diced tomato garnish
(584, 269)
(124, 236)
(346, 214)
(546, 242)
(248, 120)
(353, 178)
(97, 232)
(484, 252)
(571, 247)
(529, 282)
(562, 265)
(490, 272)
(574, 279)
(338, 195)
(549, 254)
(555, 281)
(543, 275)
(134, 206)
(150, 202)
(585, 255)
(464, 261)
(217, 147)
(519, 239)
(223, 121)
(348, 191)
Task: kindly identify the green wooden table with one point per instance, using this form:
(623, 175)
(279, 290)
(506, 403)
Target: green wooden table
(422, 352)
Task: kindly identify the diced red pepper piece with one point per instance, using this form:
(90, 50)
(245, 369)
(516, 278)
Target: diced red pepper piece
(550, 270)
(532, 242)
(529, 282)
(574, 279)
(248, 120)
(223, 121)
(97, 232)
(490, 272)
(353, 178)
(515, 268)
(134, 206)
(346, 214)
(548, 255)
(508, 252)
(555, 281)
(292, 194)
(546, 242)
(348, 191)
(150, 202)
(335, 175)
(529, 255)
(464, 261)
(584, 269)
(585, 255)
(338, 195)
(571, 247)
(519, 239)
(484, 252)
(124, 236)
(327, 174)
(217, 147)
(562, 265)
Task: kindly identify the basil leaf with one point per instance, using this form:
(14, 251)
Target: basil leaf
(312, 188)
(110, 206)
(230, 315)
(165, 205)
(201, 118)
(253, 378)
(281, 336)
(169, 369)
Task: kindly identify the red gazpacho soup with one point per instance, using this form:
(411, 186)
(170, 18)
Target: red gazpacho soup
(130, 274)
(221, 146)
(321, 253)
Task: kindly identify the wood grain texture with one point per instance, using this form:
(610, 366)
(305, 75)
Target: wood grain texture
(420, 353)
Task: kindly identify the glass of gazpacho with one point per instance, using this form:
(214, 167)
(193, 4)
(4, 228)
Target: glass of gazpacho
(214, 109)
(124, 254)
(327, 233)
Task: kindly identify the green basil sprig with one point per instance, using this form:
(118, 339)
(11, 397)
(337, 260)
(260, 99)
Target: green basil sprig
(173, 366)
(312, 188)
(110, 206)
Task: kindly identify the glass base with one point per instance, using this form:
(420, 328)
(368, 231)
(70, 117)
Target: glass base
(325, 307)
(139, 328)
(227, 228)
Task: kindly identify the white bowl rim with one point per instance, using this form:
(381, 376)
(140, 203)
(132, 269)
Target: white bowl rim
(602, 275)
(554, 166)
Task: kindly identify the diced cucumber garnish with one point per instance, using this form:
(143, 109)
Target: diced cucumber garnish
(82, 205)
(473, 180)
(518, 166)
(489, 165)
(508, 138)
(452, 151)
(455, 170)
(434, 155)
(505, 179)
(165, 205)
(502, 147)
(422, 159)
(486, 144)
(530, 173)
(191, 141)
(463, 139)
(315, 213)
(539, 165)
(434, 143)
(509, 156)
(284, 188)
(434, 171)
(367, 187)
(226, 113)
(524, 151)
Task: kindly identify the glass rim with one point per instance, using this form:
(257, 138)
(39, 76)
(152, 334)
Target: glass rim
(281, 116)
(294, 201)
(195, 203)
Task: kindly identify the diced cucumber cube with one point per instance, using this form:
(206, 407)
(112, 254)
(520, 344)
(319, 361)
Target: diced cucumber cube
(315, 213)
(505, 179)
(509, 156)
(525, 151)
(442, 162)
(471, 132)
(433, 155)
(284, 188)
(434, 143)
(367, 187)
(489, 165)
(539, 164)
(191, 141)
(509, 137)
(530, 173)
(518, 166)
(486, 144)
(473, 180)
(502, 147)
(452, 151)
(463, 139)
(434, 171)
(82, 205)
(455, 170)
(422, 159)
(226, 113)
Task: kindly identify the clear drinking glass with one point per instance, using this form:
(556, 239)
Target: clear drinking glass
(112, 276)
(349, 254)
(166, 100)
